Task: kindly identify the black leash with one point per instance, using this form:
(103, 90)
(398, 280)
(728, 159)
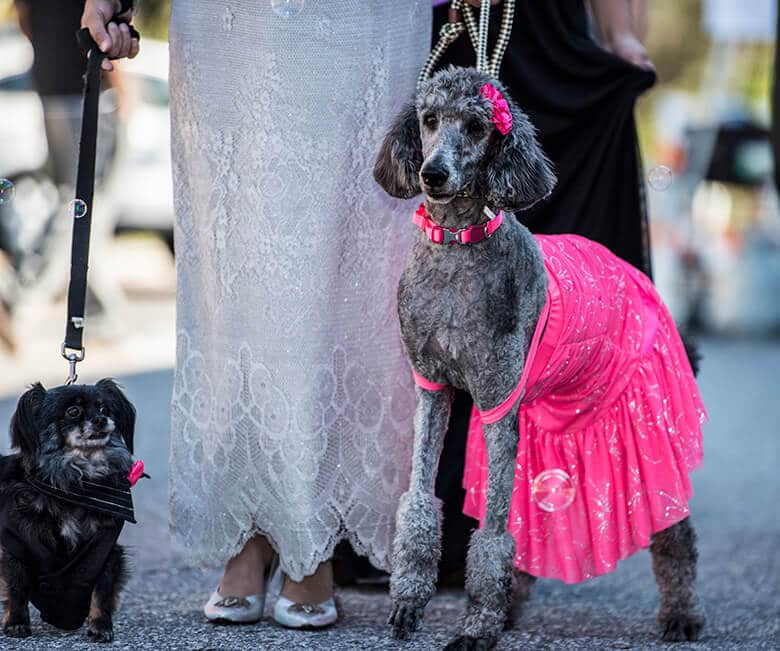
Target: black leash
(72, 348)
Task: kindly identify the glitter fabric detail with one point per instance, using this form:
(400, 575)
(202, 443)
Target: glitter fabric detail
(612, 401)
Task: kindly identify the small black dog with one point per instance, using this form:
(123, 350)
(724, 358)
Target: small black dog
(64, 497)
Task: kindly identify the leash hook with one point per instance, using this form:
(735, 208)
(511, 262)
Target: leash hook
(73, 358)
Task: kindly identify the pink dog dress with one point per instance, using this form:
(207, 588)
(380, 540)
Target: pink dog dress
(609, 397)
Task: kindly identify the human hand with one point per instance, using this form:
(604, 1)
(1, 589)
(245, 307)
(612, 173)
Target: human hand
(112, 37)
(628, 48)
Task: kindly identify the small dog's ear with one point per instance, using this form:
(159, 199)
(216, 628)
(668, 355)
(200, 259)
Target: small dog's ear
(519, 174)
(398, 164)
(122, 410)
(24, 423)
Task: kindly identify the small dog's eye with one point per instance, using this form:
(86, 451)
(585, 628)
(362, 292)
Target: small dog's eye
(104, 410)
(430, 121)
(73, 412)
(475, 128)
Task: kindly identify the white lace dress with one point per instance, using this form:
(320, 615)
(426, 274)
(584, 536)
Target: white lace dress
(292, 402)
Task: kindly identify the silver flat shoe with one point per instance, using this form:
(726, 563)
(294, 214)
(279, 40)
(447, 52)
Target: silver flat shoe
(240, 610)
(290, 614)
(305, 616)
(234, 610)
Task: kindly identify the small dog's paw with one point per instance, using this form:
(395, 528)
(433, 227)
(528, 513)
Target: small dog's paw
(17, 630)
(468, 643)
(681, 627)
(404, 619)
(101, 635)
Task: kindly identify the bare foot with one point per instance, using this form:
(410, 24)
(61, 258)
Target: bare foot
(244, 572)
(313, 589)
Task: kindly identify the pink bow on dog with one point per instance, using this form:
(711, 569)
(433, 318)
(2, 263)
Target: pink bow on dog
(136, 472)
(502, 116)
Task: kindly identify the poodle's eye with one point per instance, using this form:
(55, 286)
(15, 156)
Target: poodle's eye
(430, 121)
(73, 412)
(104, 410)
(475, 127)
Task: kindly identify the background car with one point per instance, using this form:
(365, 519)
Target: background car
(141, 190)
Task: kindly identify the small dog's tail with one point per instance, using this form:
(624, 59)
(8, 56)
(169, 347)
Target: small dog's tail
(692, 351)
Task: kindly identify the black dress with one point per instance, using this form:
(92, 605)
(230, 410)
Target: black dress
(581, 99)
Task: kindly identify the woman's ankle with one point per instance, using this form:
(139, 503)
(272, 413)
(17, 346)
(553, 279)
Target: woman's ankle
(244, 573)
(313, 589)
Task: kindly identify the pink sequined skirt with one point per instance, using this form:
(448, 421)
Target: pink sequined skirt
(612, 401)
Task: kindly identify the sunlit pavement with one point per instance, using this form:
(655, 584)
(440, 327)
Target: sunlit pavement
(735, 509)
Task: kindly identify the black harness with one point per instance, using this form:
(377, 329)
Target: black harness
(109, 497)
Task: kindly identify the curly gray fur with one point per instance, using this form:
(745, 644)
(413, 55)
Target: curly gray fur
(674, 564)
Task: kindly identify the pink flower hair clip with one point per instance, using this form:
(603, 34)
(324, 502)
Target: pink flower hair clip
(502, 116)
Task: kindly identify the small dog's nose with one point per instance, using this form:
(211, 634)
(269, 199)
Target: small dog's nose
(434, 175)
(100, 422)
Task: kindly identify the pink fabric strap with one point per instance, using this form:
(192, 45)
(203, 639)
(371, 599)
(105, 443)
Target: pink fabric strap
(427, 384)
(441, 235)
(497, 413)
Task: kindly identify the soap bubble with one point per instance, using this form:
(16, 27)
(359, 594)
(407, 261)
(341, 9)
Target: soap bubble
(287, 8)
(7, 191)
(660, 177)
(77, 208)
(553, 490)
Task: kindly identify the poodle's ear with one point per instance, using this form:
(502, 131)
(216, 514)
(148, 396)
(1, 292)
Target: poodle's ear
(519, 174)
(24, 423)
(122, 410)
(400, 158)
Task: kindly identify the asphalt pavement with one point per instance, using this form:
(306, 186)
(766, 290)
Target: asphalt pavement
(735, 509)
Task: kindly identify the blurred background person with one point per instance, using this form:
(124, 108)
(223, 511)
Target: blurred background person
(57, 73)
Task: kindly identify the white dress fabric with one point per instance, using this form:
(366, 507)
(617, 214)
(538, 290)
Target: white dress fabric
(292, 401)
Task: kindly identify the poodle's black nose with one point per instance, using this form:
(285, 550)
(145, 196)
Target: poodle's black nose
(434, 175)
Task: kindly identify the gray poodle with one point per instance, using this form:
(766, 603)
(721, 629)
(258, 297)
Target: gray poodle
(467, 316)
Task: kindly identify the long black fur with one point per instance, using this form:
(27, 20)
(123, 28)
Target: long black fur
(61, 436)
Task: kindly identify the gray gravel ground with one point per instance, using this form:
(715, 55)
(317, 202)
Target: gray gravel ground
(735, 510)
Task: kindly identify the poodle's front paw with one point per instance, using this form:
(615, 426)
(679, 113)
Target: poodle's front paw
(468, 643)
(101, 634)
(17, 630)
(679, 627)
(404, 619)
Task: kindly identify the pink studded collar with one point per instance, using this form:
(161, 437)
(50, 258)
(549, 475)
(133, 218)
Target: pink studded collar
(469, 235)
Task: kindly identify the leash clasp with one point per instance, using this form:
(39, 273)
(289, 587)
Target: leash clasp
(73, 355)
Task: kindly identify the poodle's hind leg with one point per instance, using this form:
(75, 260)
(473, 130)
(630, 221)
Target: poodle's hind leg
(521, 594)
(417, 544)
(490, 571)
(674, 564)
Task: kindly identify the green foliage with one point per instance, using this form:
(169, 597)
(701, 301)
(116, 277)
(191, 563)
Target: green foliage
(676, 41)
(152, 18)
